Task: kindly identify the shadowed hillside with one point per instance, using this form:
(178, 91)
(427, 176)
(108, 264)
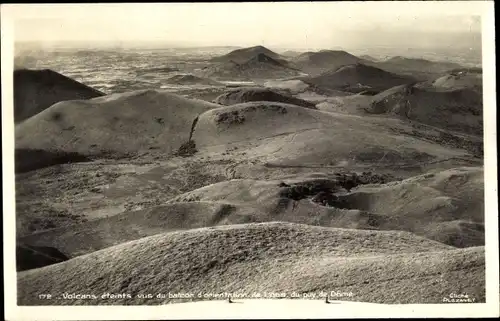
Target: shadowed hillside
(245, 54)
(315, 63)
(422, 69)
(37, 90)
(242, 95)
(31, 257)
(260, 66)
(359, 77)
(457, 110)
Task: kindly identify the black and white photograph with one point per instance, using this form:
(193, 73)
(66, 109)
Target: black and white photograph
(265, 157)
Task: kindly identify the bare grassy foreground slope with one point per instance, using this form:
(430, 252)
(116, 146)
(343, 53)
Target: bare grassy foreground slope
(392, 267)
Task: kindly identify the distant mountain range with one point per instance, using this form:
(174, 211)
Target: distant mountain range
(261, 62)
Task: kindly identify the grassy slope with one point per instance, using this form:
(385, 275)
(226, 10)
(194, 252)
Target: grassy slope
(117, 124)
(290, 135)
(282, 139)
(445, 206)
(457, 110)
(375, 266)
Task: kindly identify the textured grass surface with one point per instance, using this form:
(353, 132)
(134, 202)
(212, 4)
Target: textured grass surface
(376, 266)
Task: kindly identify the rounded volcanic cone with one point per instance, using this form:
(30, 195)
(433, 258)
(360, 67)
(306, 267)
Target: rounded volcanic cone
(248, 94)
(458, 79)
(358, 78)
(113, 125)
(400, 63)
(244, 54)
(247, 121)
(458, 110)
(377, 266)
(419, 68)
(260, 66)
(315, 63)
(37, 90)
(289, 135)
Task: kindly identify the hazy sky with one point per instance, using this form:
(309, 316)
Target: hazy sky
(301, 25)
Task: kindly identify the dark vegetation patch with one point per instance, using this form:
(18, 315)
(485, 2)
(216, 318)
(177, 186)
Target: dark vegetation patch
(187, 149)
(323, 191)
(267, 107)
(195, 181)
(230, 118)
(475, 147)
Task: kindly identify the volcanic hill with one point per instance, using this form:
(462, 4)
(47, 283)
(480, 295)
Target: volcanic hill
(37, 90)
(420, 68)
(315, 63)
(244, 54)
(247, 94)
(260, 66)
(357, 78)
(114, 125)
(459, 110)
